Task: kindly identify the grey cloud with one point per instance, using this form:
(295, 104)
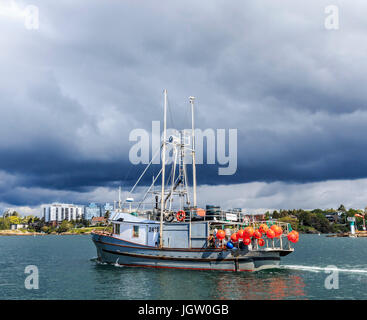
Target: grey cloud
(71, 92)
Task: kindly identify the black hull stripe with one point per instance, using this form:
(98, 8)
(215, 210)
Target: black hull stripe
(134, 255)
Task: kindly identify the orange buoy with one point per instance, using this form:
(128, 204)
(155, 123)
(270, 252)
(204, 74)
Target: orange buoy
(220, 234)
(257, 234)
(292, 237)
(278, 231)
(240, 233)
(270, 234)
(261, 242)
(246, 241)
(263, 228)
(234, 237)
(249, 232)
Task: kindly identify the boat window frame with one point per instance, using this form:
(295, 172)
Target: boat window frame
(135, 231)
(117, 228)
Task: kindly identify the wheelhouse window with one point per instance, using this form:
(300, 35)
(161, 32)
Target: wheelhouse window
(135, 231)
(117, 228)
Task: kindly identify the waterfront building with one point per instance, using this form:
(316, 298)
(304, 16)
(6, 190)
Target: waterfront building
(58, 212)
(18, 226)
(93, 210)
(107, 207)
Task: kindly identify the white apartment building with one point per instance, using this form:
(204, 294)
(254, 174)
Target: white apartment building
(61, 211)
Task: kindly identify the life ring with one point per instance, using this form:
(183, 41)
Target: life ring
(181, 215)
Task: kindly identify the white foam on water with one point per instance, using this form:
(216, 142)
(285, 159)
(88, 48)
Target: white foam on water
(116, 264)
(322, 269)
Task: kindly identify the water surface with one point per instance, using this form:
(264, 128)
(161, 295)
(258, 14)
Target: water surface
(67, 270)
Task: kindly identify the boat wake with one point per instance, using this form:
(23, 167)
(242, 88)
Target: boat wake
(322, 269)
(98, 261)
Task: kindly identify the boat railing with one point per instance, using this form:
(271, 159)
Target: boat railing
(277, 243)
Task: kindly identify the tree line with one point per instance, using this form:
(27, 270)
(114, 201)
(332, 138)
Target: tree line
(315, 221)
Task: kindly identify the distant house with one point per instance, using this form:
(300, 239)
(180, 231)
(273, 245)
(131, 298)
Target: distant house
(98, 220)
(18, 226)
(251, 217)
(333, 217)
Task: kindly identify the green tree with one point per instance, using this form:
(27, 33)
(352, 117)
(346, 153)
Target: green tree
(107, 214)
(65, 226)
(14, 220)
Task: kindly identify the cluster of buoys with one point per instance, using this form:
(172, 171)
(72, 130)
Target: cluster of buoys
(244, 234)
(293, 236)
(247, 233)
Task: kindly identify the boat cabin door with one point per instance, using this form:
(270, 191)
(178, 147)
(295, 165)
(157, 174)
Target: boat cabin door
(153, 235)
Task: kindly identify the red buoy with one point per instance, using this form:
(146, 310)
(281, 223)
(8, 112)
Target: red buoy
(261, 242)
(240, 233)
(263, 228)
(292, 237)
(257, 234)
(270, 234)
(249, 232)
(278, 231)
(246, 241)
(234, 237)
(220, 234)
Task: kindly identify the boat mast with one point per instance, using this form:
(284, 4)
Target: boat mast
(163, 167)
(193, 149)
(193, 163)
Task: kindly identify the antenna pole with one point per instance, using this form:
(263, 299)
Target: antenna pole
(119, 197)
(163, 167)
(193, 149)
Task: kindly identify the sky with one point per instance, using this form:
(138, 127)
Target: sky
(72, 91)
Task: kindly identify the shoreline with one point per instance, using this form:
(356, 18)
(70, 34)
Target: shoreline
(358, 234)
(43, 234)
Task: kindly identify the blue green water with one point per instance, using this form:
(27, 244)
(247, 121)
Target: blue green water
(67, 271)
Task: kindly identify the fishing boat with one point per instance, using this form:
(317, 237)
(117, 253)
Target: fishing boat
(181, 235)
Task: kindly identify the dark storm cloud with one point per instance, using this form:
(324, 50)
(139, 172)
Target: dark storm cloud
(71, 92)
